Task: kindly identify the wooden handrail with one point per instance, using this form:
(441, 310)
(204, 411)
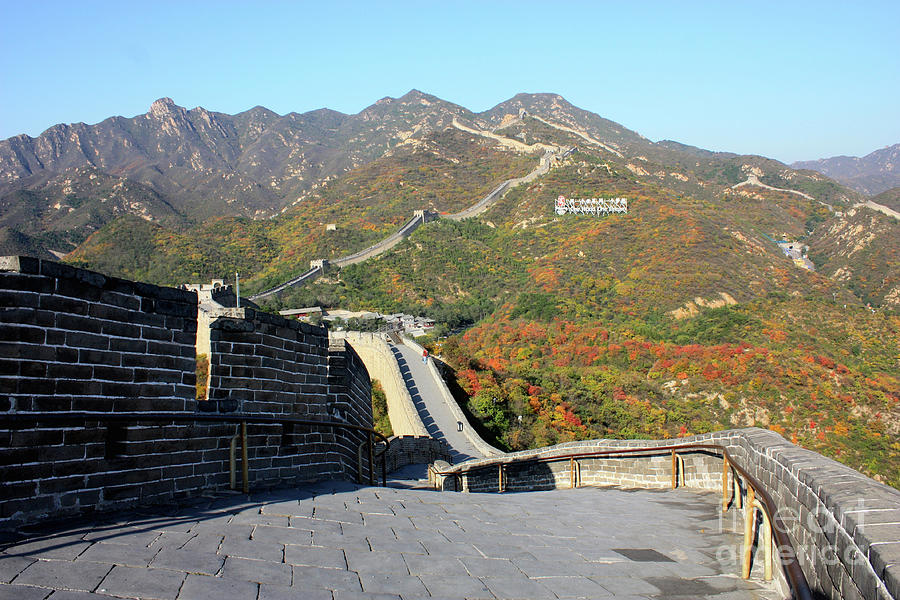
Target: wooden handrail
(800, 589)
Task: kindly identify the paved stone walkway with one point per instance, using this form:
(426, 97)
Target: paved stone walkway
(337, 541)
(437, 418)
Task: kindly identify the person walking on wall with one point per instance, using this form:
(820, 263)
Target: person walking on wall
(425, 356)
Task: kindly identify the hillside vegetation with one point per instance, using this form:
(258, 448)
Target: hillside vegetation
(681, 316)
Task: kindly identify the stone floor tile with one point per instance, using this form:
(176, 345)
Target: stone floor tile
(331, 579)
(315, 556)
(10, 566)
(394, 545)
(384, 521)
(64, 575)
(203, 587)
(362, 531)
(290, 508)
(118, 554)
(189, 561)
(490, 567)
(574, 587)
(365, 561)
(317, 526)
(172, 540)
(676, 586)
(628, 569)
(493, 550)
(143, 583)
(338, 515)
(322, 527)
(70, 595)
(22, 592)
(455, 586)
(517, 588)
(254, 517)
(282, 535)
(620, 585)
(203, 542)
(392, 583)
(124, 536)
(243, 548)
(257, 571)
(538, 567)
(435, 565)
(49, 548)
(458, 549)
(268, 591)
(343, 595)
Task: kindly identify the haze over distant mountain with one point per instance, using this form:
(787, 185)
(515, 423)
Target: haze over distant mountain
(871, 174)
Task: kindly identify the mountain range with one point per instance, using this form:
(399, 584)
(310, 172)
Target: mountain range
(872, 174)
(683, 315)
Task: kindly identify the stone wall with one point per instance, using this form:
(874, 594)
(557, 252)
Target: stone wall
(268, 365)
(382, 365)
(414, 450)
(74, 341)
(844, 526)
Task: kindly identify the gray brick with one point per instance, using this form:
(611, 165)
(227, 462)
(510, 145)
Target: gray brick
(10, 566)
(189, 561)
(258, 571)
(315, 556)
(202, 587)
(157, 584)
(61, 575)
(280, 592)
(22, 592)
(330, 579)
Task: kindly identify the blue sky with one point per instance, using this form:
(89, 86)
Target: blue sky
(789, 80)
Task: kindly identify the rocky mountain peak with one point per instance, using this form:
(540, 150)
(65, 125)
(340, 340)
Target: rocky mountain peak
(163, 107)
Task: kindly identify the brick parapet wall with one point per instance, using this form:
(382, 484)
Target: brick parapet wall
(349, 400)
(268, 365)
(414, 450)
(845, 527)
(76, 341)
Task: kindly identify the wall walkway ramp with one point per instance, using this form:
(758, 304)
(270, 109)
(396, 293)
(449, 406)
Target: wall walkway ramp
(437, 408)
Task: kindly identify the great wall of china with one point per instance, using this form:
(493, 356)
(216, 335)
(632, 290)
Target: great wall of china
(98, 412)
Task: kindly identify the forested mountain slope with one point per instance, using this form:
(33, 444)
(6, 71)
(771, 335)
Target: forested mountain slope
(681, 316)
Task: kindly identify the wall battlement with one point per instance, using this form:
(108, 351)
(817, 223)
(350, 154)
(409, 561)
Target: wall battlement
(73, 340)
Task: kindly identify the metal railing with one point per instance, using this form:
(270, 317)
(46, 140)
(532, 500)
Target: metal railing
(757, 498)
(7, 420)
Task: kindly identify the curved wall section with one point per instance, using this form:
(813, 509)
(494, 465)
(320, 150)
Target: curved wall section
(381, 364)
(845, 527)
(448, 399)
